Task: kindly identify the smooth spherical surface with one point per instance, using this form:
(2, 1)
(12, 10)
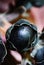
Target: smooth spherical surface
(21, 35)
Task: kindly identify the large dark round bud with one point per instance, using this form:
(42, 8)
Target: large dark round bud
(3, 51)
(21, 35)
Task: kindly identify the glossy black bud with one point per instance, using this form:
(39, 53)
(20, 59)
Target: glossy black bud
(22, 35)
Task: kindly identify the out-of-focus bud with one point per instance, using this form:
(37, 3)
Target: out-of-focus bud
(3, 51)
(38, 51)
